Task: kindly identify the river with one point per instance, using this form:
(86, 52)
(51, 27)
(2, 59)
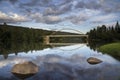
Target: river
(68, 62)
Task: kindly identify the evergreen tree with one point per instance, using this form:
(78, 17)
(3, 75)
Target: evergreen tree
(105, 34)
(117, 27)
(5, 23)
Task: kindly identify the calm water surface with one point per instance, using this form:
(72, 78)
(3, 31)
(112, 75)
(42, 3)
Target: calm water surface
(63, 63)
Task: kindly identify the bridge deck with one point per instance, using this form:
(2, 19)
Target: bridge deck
(68, 35)
(65, 43)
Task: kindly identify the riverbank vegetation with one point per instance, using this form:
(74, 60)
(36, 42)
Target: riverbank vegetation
(106, 40)
(112, 49)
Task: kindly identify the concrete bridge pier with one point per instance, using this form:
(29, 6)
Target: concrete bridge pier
(46, 39)
(87, 38)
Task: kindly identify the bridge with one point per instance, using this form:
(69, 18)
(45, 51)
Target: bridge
(82, 35)
(47, 38)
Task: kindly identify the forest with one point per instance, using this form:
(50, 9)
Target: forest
(21, 34)
(105, 34)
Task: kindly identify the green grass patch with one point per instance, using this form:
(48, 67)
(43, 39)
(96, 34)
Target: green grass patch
(112, 49)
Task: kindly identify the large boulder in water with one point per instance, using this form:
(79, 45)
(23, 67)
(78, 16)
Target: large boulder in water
(24, 70)
(93, 60)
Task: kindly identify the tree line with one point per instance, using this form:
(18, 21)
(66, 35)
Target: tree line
(23, 34)
(15, 47)
(20, 34)
(105, 34)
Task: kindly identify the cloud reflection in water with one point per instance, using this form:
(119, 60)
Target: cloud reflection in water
(56, 64)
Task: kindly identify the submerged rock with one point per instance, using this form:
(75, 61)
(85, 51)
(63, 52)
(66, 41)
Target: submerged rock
(93, 60)
(24, 70)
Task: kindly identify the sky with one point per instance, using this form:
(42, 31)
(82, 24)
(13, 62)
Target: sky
(70, 15)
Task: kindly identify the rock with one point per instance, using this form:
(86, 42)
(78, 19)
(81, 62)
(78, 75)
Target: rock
(93, 60)
(24, 70)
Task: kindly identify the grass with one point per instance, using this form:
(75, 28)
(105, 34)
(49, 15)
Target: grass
(112, 49)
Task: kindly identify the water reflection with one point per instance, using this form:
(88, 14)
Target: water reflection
(74, 67)
(95, 46)
(57, 64)
(15, 47)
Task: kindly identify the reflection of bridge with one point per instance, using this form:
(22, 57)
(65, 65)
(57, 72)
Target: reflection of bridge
(47, 38)
(65, 44)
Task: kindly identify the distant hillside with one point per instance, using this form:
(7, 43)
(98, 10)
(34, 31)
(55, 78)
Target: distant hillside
(19, 34)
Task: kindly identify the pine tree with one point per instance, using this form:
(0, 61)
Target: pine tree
(5, 23)
(117, 27)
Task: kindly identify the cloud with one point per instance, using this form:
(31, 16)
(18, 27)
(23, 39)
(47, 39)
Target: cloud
(12, 18)
(40, 18)
(52, 19)
(40, 3)
(55, 6)
(76, 19)
(11, 1)
(103, 5)
(82, 16)
(103, 18)
(46, 7)
(51, 11)
(110, 6)
(56, 11)
(3, 15)
(91, 4)
(46, 3)
(30, 4)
